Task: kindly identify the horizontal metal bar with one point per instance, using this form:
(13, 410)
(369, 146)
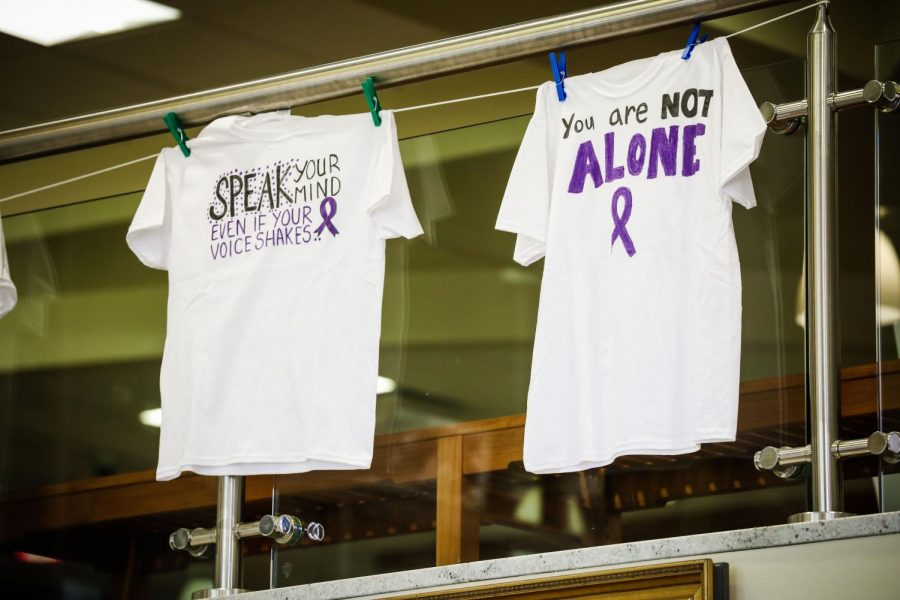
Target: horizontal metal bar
(884, 95)
(886, 445)
(850, 448)
(246, 530)
(769, 458)
(284, 529)
(343, 78)
(202, 536)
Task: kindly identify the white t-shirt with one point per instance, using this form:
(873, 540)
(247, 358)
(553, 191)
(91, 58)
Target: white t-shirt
(627, 188)
(274, 312)
(8, 295)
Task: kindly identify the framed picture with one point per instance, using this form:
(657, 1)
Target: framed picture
(687, 580)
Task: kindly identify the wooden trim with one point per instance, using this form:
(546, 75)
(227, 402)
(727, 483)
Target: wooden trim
(665, 581)
(457, 521)
(85, 485)
(477, 447)
(466, 428)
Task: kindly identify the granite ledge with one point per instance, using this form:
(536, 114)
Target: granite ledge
(599, 556)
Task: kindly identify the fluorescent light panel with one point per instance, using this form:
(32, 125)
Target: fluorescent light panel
(51, 22)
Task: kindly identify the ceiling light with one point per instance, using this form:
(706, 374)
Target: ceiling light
(51, 22)
(385, 385)
(151, 417)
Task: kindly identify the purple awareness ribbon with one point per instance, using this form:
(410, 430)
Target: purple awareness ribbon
(327, 209)
(619, 222)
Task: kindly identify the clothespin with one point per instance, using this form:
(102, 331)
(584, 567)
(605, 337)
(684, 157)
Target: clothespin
(559, 74)
(368, 87)
(174, 125)
(693, 41)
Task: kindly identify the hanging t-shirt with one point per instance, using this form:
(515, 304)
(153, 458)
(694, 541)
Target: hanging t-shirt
(627, 188)
(8, 295)
(273, 233)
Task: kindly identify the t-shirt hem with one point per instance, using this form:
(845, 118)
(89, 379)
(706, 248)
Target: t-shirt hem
(512, 227)
(716, 436)
(135, 245)
(581, 463)
(525, 256)
(409, 233)
(742, 163)
(8, 296)
(242, 466)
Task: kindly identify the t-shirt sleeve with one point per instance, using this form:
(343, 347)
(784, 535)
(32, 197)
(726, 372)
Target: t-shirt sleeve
(8, 295)
(743, 129)
(525, 208)
(391, 206)
(150, 233)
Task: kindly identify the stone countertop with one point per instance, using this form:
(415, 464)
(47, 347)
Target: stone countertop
(598, 556)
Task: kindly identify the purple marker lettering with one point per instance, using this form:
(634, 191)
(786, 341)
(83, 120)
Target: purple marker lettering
(637, 153)
(690, 165)
(612, 173)
(663, 148)
(585, 162)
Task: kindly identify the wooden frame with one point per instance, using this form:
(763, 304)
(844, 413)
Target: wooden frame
(667, 581)
(431, 473)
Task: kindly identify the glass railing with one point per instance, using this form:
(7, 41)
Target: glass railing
(887, 278)
(457, 339)
(79, 393)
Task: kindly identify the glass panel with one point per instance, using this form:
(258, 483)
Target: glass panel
(457, 338)
(456, 341)
(887, 271)
(459, 314)
(82, 346)
(79, 363)
(717, 488)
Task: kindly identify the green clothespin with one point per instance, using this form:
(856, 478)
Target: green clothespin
(368, 87)
(174, 125)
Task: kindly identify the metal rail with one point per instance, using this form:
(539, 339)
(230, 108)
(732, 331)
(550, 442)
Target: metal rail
(424, 61)
(822, 331)
(787, 462)
(785, 117)
(228, 552)
(505, 44)
(824, 452)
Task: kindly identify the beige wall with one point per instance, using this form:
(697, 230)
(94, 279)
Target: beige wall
(864, 568)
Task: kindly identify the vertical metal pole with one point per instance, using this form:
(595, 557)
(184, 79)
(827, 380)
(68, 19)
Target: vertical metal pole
(228, 515)
(228, 550)
(823, 335)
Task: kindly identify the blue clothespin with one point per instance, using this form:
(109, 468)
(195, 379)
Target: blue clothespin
(559, 74)
(368, 87)
(693, 41)
(174, 125)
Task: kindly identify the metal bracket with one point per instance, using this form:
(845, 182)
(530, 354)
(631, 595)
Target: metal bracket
(284, 529)
(787, 462)
(784, 119)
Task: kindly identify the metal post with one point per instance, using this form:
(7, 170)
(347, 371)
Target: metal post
(823, 335)
(228, 551)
